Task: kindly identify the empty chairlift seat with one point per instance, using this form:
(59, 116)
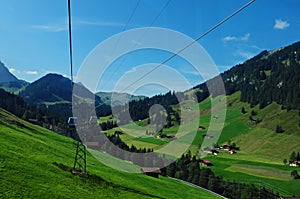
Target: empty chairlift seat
(72, 121)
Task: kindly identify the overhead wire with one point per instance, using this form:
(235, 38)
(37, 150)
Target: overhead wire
(131, 15)
(151, 24)
(123, 29)
(191, 43)
(160, 12)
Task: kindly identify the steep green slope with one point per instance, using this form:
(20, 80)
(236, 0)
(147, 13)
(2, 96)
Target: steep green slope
(262, 138)
(262, 150)
(34, 164)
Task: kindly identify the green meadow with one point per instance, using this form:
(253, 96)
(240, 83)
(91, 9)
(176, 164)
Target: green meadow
(262, 150)
(35, 163)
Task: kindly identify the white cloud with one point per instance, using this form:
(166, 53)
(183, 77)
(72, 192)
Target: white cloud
(31, 72)
(13, 70)
(280, 24)
(50, 28)
(234, 38)
(64, 27)
(98, 23)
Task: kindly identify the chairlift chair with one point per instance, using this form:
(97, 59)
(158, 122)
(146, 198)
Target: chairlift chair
(93, 120)
(72, 122)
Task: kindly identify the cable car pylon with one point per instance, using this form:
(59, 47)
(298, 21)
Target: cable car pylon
(80, 149)
(80, 154)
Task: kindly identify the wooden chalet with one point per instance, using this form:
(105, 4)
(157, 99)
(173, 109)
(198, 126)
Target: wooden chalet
(151, 171)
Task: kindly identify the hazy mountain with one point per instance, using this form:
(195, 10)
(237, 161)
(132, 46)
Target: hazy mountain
(120, 97)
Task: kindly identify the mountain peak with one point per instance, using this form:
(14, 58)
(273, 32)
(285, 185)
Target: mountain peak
(5, 75)
(53, 75)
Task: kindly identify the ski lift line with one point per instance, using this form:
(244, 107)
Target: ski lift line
(124, 59)
(70, 41)
(160, 12)
(131, 15)
(124, 28)
(190, 44)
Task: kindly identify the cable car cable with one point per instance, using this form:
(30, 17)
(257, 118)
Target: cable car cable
(151, 24)
(191, 43)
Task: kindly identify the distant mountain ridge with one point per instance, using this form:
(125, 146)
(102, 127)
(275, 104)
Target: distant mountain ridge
(55, 92)
(119, 98)
(53, 88)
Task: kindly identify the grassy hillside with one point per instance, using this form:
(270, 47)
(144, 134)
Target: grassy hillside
(261, 139)
(262, 150)
(34, 163)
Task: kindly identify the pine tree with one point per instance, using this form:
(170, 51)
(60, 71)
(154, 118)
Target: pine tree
(253, 113)
(295, 174)
(293, 156)
(243, 110)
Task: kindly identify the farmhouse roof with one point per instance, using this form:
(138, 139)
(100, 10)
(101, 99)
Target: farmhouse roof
(150, 170)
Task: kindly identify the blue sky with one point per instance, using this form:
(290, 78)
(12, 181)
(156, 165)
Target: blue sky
(34, 37)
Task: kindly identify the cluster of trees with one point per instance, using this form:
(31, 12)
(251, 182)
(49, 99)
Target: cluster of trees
(187, 168)
(109, 124)
(280, 85)
(38, 115)
(139, 109)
